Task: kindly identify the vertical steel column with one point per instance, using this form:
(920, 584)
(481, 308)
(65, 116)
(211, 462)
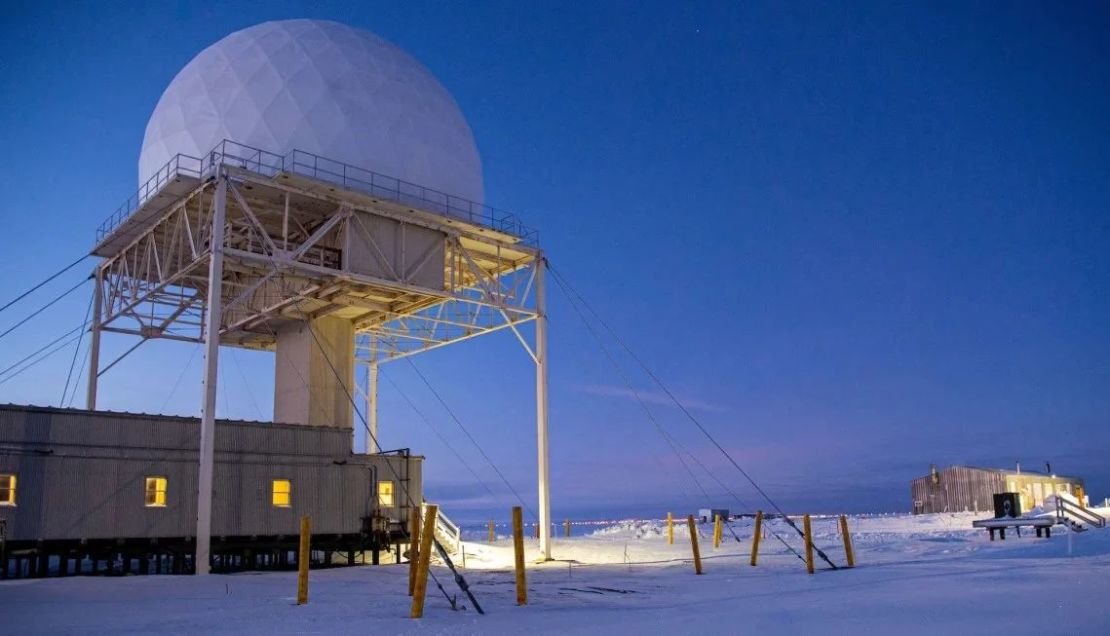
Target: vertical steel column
(94, 340)
(541, 411)
(372, 406)
(285, 226)
(211, 359)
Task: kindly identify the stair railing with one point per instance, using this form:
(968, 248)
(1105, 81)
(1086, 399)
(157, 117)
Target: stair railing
(448, 529)
(1067, 511)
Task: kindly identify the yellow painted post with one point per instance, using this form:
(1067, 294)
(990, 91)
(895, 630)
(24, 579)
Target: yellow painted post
(518, 553)
(414, 546)
(756, 535)
(422, 561)
(491, 536)
(809, 543)
(847, 542)
(303, 556)
(716, 531)
(567, 527)
(694, 543)
(670, 529)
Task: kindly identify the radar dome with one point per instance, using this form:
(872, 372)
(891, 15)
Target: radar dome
(322, 87)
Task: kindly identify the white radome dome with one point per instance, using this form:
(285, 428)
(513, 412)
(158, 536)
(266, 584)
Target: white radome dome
(321, 87)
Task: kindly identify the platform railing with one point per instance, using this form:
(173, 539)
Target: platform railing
(311, 165)
(177, 165)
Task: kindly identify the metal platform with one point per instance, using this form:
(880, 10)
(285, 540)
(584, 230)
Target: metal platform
(287, 217)
(325, 174)
(241, 245)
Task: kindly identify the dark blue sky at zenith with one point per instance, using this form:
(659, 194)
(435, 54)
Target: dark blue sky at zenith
(855, 238)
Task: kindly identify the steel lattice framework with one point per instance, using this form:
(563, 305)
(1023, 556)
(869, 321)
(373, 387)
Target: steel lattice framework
(281, 264)
(229, 249)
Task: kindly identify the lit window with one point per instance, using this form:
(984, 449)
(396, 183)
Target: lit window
(385, 494)
(283, 493)
(155, 492)
(7, 490)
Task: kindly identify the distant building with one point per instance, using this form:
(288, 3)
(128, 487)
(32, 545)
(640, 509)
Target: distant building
(965, 488)
(706, 515)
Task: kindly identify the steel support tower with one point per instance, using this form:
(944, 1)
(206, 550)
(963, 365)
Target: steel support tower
(247, 248)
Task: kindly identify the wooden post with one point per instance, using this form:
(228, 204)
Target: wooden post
(303, 556)
(809, 543)
(756, 535)
(423, 558)
(694, 543)
(566, 526)
(414, 546)
(716, 531)
(518, 552)
(847, 542)
(491, 535)
(670, 529)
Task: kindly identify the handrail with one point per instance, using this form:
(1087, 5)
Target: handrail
(311, 165)
(448, 528)
(1064, 508)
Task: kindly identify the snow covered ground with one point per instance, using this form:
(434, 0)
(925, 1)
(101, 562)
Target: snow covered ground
(930, 574)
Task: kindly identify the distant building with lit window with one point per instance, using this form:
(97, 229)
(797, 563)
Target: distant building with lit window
(970, 489)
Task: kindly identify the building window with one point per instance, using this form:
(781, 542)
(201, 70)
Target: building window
(385, 494)
(155, 492)
(282, 493)
(7, 490)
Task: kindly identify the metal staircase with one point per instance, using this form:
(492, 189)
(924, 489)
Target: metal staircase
(447, 532)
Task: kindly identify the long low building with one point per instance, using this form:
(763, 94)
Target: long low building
(970, 489)
(101, 486)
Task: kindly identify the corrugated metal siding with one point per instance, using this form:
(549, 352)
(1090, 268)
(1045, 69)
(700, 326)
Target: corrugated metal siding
(81, 475)
(123, 431)
(958, 489)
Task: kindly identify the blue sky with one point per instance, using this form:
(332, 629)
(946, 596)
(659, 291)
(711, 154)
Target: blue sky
(856, 238)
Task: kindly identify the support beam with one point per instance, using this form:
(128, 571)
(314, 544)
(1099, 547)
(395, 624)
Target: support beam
(541, 411)
(372, 407)
(211, 360)
(314, 370)
(94, 340)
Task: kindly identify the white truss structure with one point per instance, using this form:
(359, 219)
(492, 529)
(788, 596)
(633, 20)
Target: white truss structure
(248, 243)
